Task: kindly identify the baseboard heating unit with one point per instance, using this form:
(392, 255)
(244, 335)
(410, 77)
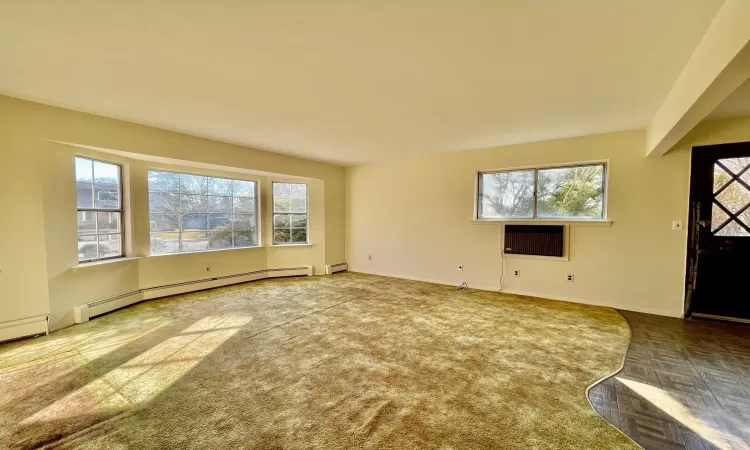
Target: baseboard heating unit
(20, 328)
(82, 313)
(333, 268)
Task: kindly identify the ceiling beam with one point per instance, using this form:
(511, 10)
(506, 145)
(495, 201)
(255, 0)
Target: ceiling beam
(718, 66)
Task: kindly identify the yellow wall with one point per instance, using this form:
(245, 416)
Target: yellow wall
(414, 218)
(38, 253)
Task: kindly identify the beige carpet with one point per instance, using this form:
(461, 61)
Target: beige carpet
(340, 362)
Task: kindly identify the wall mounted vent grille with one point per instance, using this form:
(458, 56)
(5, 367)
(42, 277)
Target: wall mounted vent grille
(537, 240)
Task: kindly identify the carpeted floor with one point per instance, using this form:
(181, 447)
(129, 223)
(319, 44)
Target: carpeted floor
(339, 362)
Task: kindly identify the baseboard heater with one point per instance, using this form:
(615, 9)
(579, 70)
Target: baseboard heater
(333, 268)
(82, 313)
(21, 328)
(537, 240)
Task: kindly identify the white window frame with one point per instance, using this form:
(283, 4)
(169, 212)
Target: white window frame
(274, 213)
(94, 211)
(256, 193)
(536, 169)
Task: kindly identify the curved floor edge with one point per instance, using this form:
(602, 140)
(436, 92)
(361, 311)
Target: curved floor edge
(682, 384)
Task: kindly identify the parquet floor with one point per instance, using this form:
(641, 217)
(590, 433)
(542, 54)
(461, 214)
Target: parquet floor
(685, 385)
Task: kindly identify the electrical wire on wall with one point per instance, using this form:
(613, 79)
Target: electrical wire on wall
(502, 256)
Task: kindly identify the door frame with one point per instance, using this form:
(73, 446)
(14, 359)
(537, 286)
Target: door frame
(699, 157)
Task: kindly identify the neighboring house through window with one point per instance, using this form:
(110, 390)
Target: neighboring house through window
(191, 213)
(100, 212)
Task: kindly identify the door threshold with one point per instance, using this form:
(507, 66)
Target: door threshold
(715, 317)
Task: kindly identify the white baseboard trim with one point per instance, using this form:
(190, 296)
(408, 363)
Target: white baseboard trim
(657, 312)
(83, 313)
(20, 328)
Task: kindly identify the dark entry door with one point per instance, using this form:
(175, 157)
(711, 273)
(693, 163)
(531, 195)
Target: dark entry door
(720, 199)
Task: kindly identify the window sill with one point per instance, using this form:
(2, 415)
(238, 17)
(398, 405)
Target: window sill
(290, 245)
(159, 255)
(572, 222)
(104, 262)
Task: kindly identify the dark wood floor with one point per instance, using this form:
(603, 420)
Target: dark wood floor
(685, 385)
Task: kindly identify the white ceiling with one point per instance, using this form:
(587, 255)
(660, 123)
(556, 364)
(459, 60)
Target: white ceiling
(355, 81)
(737, 104)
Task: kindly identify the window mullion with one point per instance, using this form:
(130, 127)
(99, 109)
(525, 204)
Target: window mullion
(536, 186)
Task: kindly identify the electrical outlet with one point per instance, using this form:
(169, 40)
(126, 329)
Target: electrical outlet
(516, 273)
(460, 267)
(208, 268)
(369, 257)
(570, 277)
(677, 225)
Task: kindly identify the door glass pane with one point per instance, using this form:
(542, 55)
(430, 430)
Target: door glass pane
(718, 217)
(735, 165)
(507, 194)
(733, 229)
(734, 197)
(721, 177)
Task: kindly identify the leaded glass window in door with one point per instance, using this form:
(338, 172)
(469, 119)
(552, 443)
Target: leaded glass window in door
(730, 214)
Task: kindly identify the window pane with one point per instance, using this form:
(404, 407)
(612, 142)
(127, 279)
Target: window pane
(721, 177)
(193, 184)
(194, 241)
(281, 236)
(244, 204)
(194, 222)
(84, 170)
(299, 235)
(86, 222)
(244, 221)
(281, 220)
(241, 188)
(571, 192)
(281, 190)
(245, 238)
(718, 217)
(299, 221)
(84, 195)
(163, 181)
(733, 228)
(110, 245)
(507, 194)
(165, 243)
(108, 222)
(193, 203)
(220, 222)
(163, 202)
(220, 239)
(219, 186)
(106, 173)
(734, 197)
(297, 190)
(106, 196)
(299, 205)
(87, 248)
(219, 204)
(282, 204)
(164, 222)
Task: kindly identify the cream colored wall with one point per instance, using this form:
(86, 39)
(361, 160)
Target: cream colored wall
(38, 243)
(414, 218)
(23, 290)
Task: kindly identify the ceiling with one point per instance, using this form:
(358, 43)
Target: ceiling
(355, 81)
(736, 105)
